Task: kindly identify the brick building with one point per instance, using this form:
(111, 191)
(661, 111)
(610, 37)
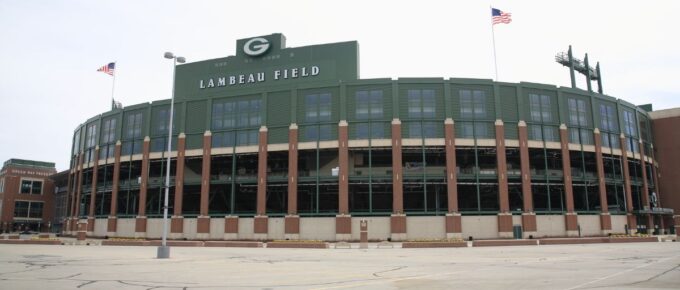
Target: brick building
(26, 195)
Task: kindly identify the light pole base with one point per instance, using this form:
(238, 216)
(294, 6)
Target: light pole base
(163, 252)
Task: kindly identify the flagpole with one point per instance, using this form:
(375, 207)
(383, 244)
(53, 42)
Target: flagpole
(113, 88)
(493, 39)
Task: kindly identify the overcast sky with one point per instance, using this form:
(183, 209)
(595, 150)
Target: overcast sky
(50, 50)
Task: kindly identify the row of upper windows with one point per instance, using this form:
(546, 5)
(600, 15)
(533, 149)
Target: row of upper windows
(369, 105)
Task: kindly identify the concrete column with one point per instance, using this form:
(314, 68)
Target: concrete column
(528, 216)
(632, 222)
(203, 220)
(398, 219)
(645, 190)
(504, 216)
(571, 220)
(112, 222)
(605, 218)
(177, 220)
(343, 221)
(453, 219)
(93, 193)
(140, 224)
(261, 228)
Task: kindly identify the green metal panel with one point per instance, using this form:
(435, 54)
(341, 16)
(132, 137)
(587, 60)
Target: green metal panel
(280, 67)
(511, 130)
(194, 141)
(508, 103)
(196, 123)
(277, 135)
(278, 109)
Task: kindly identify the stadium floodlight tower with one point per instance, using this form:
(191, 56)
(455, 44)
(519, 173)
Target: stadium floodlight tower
(567, 59)
(163, 251)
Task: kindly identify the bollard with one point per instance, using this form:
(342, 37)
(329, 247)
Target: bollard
(363, 234)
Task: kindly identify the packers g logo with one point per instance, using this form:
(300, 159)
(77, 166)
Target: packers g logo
(256, 46)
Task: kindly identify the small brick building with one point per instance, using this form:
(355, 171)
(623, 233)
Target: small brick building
(26, 195)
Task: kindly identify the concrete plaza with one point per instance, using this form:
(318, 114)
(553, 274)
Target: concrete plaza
(601, 266)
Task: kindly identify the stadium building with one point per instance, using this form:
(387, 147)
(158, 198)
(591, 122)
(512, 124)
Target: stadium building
(289, 143)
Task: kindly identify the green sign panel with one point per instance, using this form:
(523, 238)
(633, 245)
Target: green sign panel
(264, 63)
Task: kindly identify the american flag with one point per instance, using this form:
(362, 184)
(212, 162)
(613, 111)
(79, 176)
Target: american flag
(108, 69)
(499, 16)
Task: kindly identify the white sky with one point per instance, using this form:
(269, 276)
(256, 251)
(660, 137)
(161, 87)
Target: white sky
(50, 50)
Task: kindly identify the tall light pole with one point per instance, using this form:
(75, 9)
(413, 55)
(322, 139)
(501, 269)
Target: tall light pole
(164, 251)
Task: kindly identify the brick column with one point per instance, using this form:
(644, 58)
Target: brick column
(605, 218)
(453, 218)
(79, 190)
(261, 227)
(632, 222)
(398, 218)
(112, 221)
(140, 223)
(645, 189)
(292, 220)
(504, 216)
(657, 189)
(177, 221)
(66, 230)
(343, 220)
(203, 220)
(93, 194)
(571, 220)
(528, 216)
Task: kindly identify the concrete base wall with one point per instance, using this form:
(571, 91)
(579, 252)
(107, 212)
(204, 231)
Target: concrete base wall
(317, 229)
(154, 228)
(590, 225)
(190, 228)
(246, 229)
(551, 226)
(217, 228)
(378, 228)
(276, 228)
(100, 227)
(125, 227)
(425, 227)
(480, 227)
(619, 224)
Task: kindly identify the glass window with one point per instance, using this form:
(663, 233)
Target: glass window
(108, 131)
(421, 104)
(31, 187)
(76, 143)
(577, 113)
(90, 139)
(472, 104)
(236, 114)
(608, 118)
(318, 109)
(629, 123)
(134, 126)
(161, 122)
(540, 108)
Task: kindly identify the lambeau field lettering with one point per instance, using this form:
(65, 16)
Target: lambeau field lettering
(258, 77)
